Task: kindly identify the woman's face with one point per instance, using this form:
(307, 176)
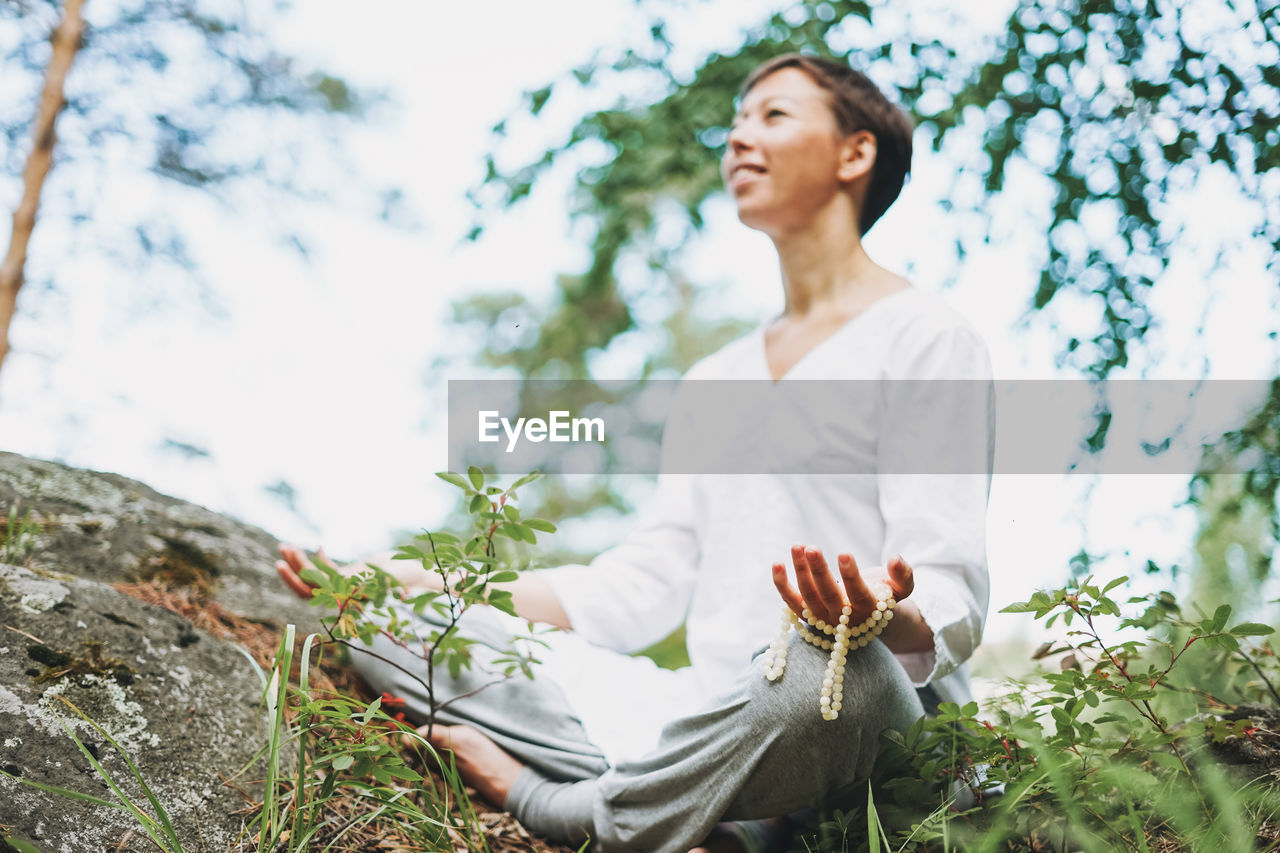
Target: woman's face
(783, 160)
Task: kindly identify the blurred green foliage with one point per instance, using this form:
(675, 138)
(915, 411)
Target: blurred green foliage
(1108, 108)
(164, 95)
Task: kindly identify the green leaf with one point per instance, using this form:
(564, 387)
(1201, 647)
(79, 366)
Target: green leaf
(1166, 760)
(477, 477)
(503, 577)
(19, 845)
(511, 512)
(1252, 629)
(478, 503)
(540, 525)
(527, 478)
(501, 599)
(1115, 583)
(315, 577)
(455, 479)
(342, 762)
(399, 771)
(1019, 607)
(1110, 717)
(1220, 617)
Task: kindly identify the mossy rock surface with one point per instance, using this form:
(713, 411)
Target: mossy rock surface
(183, 703)
(110, 528)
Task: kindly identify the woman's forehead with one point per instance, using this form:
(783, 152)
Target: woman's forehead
(790, 84)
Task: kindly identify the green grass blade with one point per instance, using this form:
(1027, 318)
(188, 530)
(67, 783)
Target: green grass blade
(1139, 831)
(940, 815)
(142, 783)
(64, 792)
(262, 675)
(149, 824)
(275, 696)
(302, 810)
(873, 824)
(21, 846)
(1227, 823)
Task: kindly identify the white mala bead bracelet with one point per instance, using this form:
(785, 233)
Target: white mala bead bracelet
(836, 639)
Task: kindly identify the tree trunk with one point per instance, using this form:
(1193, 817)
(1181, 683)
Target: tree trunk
(66, 42)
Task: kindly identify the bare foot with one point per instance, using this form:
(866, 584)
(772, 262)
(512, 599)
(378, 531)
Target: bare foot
(483, 764)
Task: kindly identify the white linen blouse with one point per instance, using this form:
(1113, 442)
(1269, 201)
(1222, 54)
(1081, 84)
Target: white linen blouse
(702, 552)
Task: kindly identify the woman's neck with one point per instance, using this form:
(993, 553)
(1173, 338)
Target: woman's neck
(825, 270)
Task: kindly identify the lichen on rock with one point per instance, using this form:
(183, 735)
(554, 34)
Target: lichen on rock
(181, 702)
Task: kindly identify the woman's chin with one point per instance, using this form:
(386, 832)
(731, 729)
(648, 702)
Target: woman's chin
(755, 218)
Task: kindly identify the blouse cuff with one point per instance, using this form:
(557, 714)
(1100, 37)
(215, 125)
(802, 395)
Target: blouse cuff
(947, 607)
(567, 582)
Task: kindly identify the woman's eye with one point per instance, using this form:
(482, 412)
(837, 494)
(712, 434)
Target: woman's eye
(773, 113)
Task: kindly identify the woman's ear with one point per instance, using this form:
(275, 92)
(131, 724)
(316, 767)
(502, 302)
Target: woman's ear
(857, 155)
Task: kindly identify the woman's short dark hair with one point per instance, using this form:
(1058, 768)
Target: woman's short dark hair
(857, 105)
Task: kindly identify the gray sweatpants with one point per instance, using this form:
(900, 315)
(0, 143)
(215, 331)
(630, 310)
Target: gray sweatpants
(760, 749)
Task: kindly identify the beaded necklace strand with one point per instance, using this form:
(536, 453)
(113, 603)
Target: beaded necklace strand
(833, 638)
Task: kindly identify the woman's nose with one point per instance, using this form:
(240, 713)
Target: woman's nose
(739, 138)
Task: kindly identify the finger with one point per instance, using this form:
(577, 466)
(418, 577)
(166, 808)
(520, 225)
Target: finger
(290, 577)
(831, 597)
(789, 595)
(860, 595)
(804, 580)
(902, 579)
(294, 556)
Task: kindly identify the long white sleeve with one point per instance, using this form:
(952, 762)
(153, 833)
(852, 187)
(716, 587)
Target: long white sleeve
(934, 501)
(637, 592)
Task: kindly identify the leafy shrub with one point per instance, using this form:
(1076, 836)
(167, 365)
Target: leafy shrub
(1121, 748)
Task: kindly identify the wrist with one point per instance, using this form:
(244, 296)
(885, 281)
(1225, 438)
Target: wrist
(908, 633)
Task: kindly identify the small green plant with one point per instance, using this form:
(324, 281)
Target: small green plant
(470, 570)
(348, 753)
(19, 535)
(1113, 751)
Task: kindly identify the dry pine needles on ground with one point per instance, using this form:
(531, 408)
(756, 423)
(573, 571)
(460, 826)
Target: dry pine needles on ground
(500, 831)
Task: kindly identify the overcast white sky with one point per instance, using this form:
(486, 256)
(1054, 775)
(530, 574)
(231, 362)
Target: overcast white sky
(316, 374)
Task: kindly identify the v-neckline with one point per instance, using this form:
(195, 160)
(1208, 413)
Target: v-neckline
(762, 336)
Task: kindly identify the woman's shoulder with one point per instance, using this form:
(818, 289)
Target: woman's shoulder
(924, 328)
(921, 310)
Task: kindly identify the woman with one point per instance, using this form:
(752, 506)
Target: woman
(607, 747)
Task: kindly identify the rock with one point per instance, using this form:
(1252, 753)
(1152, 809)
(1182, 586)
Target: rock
(109, 528)
(183, 704)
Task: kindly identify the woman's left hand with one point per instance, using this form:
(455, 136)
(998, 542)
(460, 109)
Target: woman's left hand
(824, 597)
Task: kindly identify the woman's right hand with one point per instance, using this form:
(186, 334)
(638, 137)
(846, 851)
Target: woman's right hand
(290, 569)
(411, 575)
